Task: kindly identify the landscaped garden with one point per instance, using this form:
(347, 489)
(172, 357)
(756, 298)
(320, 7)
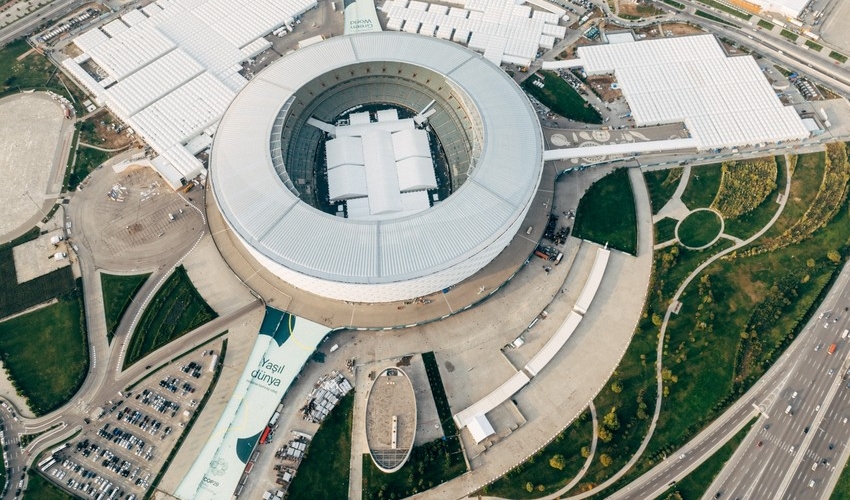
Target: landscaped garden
(175, 310)
(699, 228)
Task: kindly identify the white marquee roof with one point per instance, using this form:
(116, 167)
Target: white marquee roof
(724, 101)
(486, 211)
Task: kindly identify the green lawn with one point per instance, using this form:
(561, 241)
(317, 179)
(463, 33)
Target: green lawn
(118, 293)
(814, 46)
(326, 466)
(429, 465)
(665, 230)
(838, 56)
(727, 9)
(766, 25)
(661, 185)
(537, 470)
(39, 488)
(176, 309)
(711, 17)
(35, 71)
(702, 186)
(674, 3)
(606, 213)
(46, 353)
(88, 159)
(699, 228)
(694, 485)
(16, 297)
(789, 35)
(842, 489)
(751, 222)
(560, 97)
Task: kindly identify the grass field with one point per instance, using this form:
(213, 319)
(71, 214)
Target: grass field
(39, 488)
(429, 465)
(789, 35)
(842, 489)
(702, 186)
(45, 352)
(766, 25)
(838, 56)
(118, 293)
(814, 46)
(665, 230)
(606, 213)
(176, 309)
(326, 467)
(661, 185)
(560, 97)
(805, 182)
(538, 472)
(699, 229)
(727, 9)
(16, 297)
(749, 223)
(88, 159)
(694, 485)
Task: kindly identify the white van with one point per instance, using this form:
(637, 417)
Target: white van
(844, 333)
(788, 410)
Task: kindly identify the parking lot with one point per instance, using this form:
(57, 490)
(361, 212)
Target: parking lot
(119, 453)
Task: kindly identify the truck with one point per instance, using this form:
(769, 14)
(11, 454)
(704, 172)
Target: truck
(541, 255)
(831, 349)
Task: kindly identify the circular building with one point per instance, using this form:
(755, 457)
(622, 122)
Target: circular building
(377, 167)
(390, 419)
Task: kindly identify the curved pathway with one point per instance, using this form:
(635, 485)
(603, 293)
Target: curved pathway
(660, 346)
(572, 484)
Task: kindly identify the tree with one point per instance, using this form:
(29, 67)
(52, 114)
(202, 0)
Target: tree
(834, 256)
(610, 420)
(605, 460)
(657, 319)
(616, 387)
(604, 435)
(529, 487)
(558, 462)
(585, 452)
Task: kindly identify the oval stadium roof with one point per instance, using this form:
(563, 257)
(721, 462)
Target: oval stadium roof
(449, 242)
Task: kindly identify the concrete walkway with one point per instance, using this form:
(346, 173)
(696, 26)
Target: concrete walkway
(675, 208)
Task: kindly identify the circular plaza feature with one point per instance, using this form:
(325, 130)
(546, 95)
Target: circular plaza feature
(390, 419)
(700, 229)
(280, 147)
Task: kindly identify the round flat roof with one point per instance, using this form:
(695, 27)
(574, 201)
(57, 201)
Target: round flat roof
(277, 224)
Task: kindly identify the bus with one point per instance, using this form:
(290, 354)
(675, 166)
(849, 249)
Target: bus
(831, 349)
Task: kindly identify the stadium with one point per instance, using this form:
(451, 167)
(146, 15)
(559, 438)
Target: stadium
(377, 167)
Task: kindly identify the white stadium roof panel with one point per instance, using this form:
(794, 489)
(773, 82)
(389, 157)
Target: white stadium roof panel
(410, 142)
(416, 173)
(344, 150)
(205, 45)
(151, 9)
(347, 181)
(130, 50)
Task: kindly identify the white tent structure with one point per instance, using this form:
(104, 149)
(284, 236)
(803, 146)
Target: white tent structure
(723, 101)
(171, 68)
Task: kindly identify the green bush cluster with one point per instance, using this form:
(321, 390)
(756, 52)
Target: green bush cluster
(744, 186)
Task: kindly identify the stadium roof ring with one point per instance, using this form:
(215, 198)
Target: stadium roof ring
(485, 125)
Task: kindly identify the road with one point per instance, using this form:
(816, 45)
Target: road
(24, 26)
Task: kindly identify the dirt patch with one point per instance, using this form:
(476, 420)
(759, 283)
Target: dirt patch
(71, 50)
(678, 29)
(638, 9)
(605, 87)
(450, 367)
(105, 131)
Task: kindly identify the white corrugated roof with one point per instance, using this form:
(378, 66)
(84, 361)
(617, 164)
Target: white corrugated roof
(455, 235)
(724, 101)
